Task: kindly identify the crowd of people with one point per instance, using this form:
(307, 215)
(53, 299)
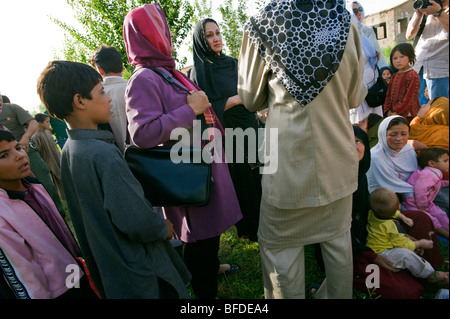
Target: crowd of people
(381, 200)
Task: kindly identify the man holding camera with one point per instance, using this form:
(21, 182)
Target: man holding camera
(432, 49)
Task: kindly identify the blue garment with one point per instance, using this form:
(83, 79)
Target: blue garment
(423, 84)
(438, 87)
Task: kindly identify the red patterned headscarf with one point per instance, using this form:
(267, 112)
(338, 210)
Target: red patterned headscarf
(147, 37)
(148, 43)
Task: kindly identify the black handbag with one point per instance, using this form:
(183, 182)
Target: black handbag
(166, 183)
(170, 184)
(376, 95)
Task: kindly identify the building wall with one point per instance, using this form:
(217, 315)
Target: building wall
(390, 25)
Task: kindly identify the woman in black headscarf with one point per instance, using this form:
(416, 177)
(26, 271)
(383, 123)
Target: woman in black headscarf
(216, 74)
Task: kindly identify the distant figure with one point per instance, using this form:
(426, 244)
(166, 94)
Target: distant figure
(46, 146)
(108, 62)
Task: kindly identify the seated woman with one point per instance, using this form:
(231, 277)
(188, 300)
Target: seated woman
(394, 284)
(394, 160)
(430, 126)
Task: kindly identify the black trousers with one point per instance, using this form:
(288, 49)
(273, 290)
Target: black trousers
(202, 260)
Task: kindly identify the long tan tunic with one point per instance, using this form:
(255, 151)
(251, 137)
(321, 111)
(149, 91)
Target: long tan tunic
(317, 160)
(47, 148)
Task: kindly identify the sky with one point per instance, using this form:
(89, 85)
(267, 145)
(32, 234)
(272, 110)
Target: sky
(29, 40)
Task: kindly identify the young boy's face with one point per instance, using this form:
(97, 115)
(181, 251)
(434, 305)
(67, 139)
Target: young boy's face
(99, 107)
(45, 125)
(14, 164)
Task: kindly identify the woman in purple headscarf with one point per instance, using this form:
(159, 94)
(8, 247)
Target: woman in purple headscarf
(154, 109)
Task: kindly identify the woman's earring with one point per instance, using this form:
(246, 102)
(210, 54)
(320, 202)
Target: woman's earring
(410, 64)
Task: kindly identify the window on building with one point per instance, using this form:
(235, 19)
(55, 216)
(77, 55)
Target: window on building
(380, 31)
(402, 24)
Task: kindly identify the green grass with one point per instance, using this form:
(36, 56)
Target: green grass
(247, 283)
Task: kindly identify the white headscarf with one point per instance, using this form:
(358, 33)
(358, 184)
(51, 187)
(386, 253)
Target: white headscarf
(391, 169)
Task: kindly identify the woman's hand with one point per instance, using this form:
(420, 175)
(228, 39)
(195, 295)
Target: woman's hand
(391, 113)
(232, 101)
(383, 262)
(198, 101)
(417, 145)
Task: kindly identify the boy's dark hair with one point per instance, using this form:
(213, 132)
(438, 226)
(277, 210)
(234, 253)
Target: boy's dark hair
(60, 81)
(107, 58)
(6, 136)
(41, 117)
(406, 49)
(383, 202)
(430, 154)
(5, 99)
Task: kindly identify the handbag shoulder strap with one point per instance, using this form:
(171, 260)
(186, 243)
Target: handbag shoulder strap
(167, 78)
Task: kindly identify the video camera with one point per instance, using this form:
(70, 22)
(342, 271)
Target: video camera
(422, 4)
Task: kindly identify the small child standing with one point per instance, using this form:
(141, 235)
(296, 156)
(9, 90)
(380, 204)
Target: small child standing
(48, 149)
(123, 239)
(402, 96)
(385, 239)
(434, 162)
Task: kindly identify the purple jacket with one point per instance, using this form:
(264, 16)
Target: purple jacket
(154, 109)
(427, 183)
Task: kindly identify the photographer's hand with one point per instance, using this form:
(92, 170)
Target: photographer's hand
(434, 8)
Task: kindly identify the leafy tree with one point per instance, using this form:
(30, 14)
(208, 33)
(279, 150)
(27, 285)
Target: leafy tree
(203, 10)
(102, 24)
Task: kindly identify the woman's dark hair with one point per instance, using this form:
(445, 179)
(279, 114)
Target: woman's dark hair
(430, 154)
(396, 121)
(60, 81)
(406, 49)
(6, 136)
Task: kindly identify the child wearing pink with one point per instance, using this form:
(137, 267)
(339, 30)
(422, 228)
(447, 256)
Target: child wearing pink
(427, 183)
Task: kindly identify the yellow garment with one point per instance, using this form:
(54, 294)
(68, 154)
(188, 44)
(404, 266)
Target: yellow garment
(383, 234)
(433, 130)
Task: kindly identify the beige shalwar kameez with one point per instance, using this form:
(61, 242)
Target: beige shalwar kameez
(309, 198)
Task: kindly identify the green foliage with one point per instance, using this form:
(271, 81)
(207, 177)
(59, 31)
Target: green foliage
(203, 10)
(102, 24)
(231, 29)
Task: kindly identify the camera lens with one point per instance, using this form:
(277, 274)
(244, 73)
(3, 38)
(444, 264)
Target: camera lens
(418, 4)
